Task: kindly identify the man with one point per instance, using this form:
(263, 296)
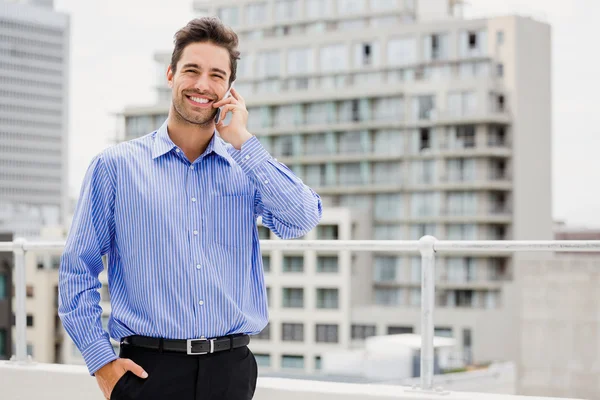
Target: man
(175, 212)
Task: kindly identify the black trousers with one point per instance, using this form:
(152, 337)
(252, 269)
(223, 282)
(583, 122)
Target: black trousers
(226, 375)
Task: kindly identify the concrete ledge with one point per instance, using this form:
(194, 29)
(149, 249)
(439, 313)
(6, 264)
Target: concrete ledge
(71, 382)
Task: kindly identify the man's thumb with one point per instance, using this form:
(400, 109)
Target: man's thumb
(136, 369)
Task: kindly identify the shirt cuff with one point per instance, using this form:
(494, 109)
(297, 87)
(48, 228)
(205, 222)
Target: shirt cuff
(98, 354)
(251, 154)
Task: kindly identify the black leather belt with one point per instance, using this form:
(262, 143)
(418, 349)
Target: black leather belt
(190, 346)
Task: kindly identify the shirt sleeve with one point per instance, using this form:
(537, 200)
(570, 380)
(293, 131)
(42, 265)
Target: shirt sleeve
(90, 237)
(288, 207)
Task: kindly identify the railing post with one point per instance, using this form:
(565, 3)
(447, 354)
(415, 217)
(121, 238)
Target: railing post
(20, 295)
(426, 246)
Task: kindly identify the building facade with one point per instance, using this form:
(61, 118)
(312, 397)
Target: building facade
(426, 122)
(34, 70)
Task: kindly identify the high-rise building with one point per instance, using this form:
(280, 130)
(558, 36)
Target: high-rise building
(34, 60)
(427, 122)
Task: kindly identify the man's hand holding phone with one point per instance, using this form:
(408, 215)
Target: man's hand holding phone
(236, 131)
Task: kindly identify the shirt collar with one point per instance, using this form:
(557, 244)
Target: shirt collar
(163, 144)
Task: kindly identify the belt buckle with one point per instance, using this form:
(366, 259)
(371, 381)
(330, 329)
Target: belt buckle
(190, 343)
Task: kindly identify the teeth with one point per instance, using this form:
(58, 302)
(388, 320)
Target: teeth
(199, 100)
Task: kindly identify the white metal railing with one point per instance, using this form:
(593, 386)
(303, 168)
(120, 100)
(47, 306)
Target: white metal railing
(428, 246)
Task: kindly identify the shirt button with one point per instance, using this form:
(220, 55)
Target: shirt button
(177, 150)
(267, 182)
(195, 232)
(201, 302)
(198, 266)
(191, 167)
(194, 199)
(247, 158)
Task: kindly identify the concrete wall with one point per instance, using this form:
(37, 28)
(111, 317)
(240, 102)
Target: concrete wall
(560, 318)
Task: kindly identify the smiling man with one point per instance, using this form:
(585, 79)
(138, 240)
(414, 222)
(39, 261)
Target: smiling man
(175, 213)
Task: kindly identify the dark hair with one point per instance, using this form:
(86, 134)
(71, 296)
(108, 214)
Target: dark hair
(207, 29)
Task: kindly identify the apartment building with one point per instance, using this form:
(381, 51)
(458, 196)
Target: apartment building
(34, 70)
(424, 121)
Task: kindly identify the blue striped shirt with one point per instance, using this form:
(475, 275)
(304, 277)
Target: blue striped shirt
(183, 250)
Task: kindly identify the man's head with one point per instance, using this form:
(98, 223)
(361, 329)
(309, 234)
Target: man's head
(203, 65)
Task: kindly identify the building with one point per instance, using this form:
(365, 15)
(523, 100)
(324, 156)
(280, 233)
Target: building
(427, 122)
(6, 268)
(34, 70)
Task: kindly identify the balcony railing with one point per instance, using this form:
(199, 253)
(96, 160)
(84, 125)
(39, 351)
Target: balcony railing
(427, 246)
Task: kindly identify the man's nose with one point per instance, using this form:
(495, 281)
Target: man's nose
(202, 83)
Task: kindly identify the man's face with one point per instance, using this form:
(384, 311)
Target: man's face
(201, 78)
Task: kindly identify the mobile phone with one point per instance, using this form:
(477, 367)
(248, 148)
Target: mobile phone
(224, 97)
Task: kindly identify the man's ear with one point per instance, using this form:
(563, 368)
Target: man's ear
(170, 77)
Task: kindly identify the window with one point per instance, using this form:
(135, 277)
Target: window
(398, 330)
(461, 103)
(382, 5)
(465, 298)
(266, 260)
(265, 334)
(424, 139)
(460, 169)
(388, 142)
(255, 13)
(333, 58)
(318, 8)
(402, 51)
(268, 64)
(388, 109)
(461, 137)
(467, 346)
(497, 169)
(387, 269)
(292, 362)
(362, 331)
(318, 363)
(327, 232)
(423, 172)
(461, 203)
(327, 264)
(500, 69)
(388, 205)
(366, 54)
(424, 204)
(30, 290)
(388, 296)
(345, 7)
(473, 43)
(326, 333)
(496, 136)
(293, 264)
(387, 172)
(500, 38)
(229, 15)
(443, 332)
(29, 320)
(419, 230)
(292, 332)
(327, 298)
(283, 146)
(263, 232)
(461, 232)
(286, 10)
(415, 297)
(3, 287)
(300, 61)
(293, 297)
(435, 47)
(423, 107)
(263, 360)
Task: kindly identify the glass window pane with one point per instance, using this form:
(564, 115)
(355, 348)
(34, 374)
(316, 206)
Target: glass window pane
(402, 51)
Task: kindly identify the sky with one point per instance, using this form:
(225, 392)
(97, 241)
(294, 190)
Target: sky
(112, 66)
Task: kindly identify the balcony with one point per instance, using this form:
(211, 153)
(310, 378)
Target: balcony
(54, 381)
